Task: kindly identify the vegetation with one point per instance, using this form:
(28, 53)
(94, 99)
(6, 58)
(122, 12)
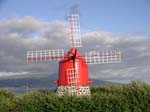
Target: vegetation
(132, 97)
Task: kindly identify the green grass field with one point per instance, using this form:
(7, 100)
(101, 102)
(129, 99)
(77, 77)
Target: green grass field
(132, 97)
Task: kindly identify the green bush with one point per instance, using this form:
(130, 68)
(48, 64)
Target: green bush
(7, 101)
(132, 97)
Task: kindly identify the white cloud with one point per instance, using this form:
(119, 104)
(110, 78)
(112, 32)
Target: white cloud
(21, 25)
(8, 74)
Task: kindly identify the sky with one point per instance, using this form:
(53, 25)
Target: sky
(105, 25)
(110, 15)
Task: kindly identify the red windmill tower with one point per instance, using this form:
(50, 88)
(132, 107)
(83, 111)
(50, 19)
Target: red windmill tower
(73, 67)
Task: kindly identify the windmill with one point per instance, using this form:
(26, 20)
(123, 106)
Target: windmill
(73, 67)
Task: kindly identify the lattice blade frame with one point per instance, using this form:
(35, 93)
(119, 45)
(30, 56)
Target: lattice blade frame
(45, 55)
(75, 33)
(104, 57)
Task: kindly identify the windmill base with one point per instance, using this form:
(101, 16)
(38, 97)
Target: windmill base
(73, 90)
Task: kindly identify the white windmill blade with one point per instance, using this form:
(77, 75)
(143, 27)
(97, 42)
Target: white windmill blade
(104, 57)
(75, 30)
(45, 55)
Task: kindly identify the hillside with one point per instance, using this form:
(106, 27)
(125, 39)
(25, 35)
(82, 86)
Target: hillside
(17, 85)
(132, 97)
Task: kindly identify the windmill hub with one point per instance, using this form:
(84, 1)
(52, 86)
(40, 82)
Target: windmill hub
(73, 53)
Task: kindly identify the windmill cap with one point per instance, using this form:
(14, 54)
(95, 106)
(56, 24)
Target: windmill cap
(72, 52)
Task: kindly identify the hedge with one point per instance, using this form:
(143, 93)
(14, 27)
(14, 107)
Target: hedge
(132, 97)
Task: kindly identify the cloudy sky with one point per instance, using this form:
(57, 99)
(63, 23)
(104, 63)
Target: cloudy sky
(105, 25)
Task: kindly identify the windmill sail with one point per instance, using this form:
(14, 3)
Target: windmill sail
(45, 55)
(75, 30)
(104, 57)
(72, 77)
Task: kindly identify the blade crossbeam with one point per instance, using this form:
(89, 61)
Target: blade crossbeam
(104, 57)
(45, 55)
